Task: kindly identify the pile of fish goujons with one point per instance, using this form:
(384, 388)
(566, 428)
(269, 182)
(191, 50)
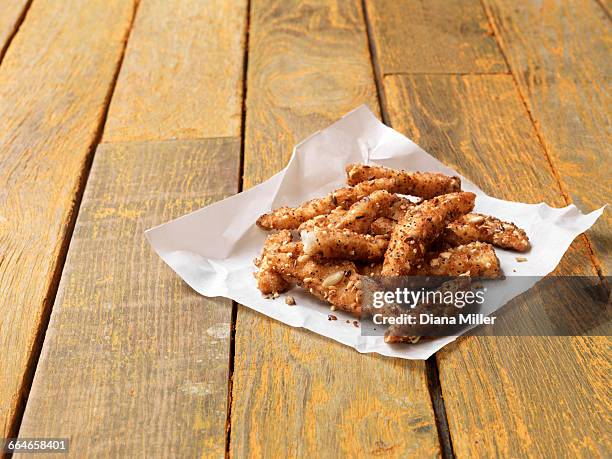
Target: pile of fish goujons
(372, 228)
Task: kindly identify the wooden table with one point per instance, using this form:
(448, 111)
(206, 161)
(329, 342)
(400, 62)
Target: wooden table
(117, 115)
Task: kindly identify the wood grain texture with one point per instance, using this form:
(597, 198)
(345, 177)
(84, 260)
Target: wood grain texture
(182, 77)
(12, 11)
(309, 64)
(507, 396)
(560, 55)
(296, 393)
(139, 356)
(55, 81)
(433, 36)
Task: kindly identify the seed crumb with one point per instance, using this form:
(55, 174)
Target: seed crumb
(275, 296)
(356, 324)
(521, 259)
(290, 300)
(331, 317)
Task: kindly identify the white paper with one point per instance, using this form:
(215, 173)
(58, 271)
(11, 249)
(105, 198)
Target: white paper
(213, 248)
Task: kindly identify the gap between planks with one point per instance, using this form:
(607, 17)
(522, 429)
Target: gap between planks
(594, 260)
(32, 364)
(234, 316)
(15, 30)
(431, 364)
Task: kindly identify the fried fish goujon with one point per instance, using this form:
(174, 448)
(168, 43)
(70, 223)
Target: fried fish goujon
(478, 227)
(424, 184)
(360, 215)
(471, 228)
(478, 259)
(269, 281)
(336, 282)
(292, 217)
(419, 227)
(343, 244)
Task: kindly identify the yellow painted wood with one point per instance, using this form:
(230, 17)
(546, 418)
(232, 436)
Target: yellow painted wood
(507, 396)
(560, 55)
(141, 358)
(55, 81)
(179, 79)
(433, 36)
(135, 363)
(296, 393)
(12, 11)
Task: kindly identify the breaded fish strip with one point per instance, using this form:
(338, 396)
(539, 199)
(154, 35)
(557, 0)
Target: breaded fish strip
(269, 281)
(343, 244)
(476, 259)
(470, 228)
(292, 217)
(361, 214)
(336, 282)
(435, 305)
(484, 228)
(424, 184)
(421, 225)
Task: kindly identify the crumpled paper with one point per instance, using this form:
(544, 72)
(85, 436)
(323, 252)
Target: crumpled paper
(213, 248)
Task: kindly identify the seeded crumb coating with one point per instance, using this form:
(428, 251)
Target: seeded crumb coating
(269, 281)
(421, 225)
(424, 184)
(324, 221)
(292, 217)
(398, 209)
(345, 244)
(484, 228)
(360, 215)
(382, 226)
(476, 259)
(336, 282)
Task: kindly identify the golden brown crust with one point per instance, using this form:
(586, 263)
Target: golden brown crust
(336, 282)
(343, 244)
(421, 225)
(424, 184)
(485, 228)
(269, 282)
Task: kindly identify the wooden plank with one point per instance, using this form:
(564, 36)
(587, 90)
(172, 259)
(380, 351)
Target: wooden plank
(55, 82)
(145, 358)
(505, 396)
(10, 17)
(560, 55)
(296, 393)
(433, 36)
(177, 49)
(135, 362)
